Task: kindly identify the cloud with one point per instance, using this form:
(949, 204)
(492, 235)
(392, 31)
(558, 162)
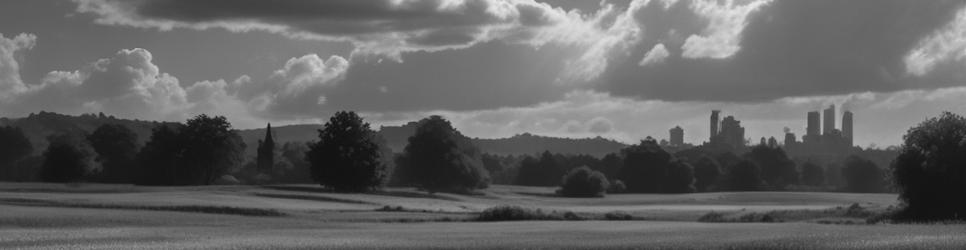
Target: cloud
(129, 84)
(10, 81)
(946, 44)
(386, 27)
(758, 51)
(655, 55)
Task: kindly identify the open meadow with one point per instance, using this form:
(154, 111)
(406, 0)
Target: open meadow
(304, 216)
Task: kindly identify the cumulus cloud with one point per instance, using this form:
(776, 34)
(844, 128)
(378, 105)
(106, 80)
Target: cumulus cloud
(378, 26)
(129, 84)
(655, 55)
(10, 48)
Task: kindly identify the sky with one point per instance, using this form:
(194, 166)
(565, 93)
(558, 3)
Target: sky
(620, 69)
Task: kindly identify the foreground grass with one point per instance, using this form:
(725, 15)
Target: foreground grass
(184, 208)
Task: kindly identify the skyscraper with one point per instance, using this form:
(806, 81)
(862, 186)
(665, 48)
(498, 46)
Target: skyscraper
(677, 136)
(714, 124)
(847, 127)
(814, 123)
(732, 133)
(828, 120)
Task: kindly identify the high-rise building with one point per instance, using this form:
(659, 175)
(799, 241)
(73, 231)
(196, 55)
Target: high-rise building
(677, 136)
(732, 133)
(790, 139)
(714, 124)
(814, 123)
(829, 120)
(847, 127)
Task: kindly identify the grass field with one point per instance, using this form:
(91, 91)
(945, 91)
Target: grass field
(303, 216)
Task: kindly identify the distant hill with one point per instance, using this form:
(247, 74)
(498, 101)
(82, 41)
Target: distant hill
(39, 126)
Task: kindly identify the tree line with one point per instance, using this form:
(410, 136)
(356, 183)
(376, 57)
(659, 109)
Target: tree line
(348, 156)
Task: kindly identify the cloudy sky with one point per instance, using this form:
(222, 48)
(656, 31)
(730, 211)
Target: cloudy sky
(621, 69)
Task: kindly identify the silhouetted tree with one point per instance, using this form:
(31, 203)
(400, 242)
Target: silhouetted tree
(541, 172)
(159, 158)
(346, 158)
(197, 153)
(813, 174)
(680, 177)
(776, 169)
(611, 165)
(292, 166)
(116, 147)
(743, 176)
(583, 182)
(930, 172)
(706, 172)
(265, 157)
(645, 167)
(67, 159)
(14, 146)
(862, 175)
(649, 169)
(439, 158)
(211, 149)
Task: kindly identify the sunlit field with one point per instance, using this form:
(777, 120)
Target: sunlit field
(304, 216)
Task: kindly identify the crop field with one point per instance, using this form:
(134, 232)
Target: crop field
(46, 216)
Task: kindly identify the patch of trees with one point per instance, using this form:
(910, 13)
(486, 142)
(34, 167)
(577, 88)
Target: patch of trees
(930, 171)
(440, 158)
(862, 176)
(813, 174)
(198, 153)
(777, 170)
(15, 148)
(116, 147)
(648, 168)
(67, 159)
(346, 157)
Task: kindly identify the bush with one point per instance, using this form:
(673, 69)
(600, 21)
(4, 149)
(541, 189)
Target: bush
(346, 158)
(617, 215)
(517, 213)
(930, 171)
(617, 187)
(584, 182)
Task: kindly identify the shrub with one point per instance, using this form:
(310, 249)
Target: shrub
(511, 213)
(346, 158)
(617, 187)
(617, 215)
(584, 182)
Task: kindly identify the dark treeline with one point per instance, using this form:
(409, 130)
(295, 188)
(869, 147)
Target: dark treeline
(348, 156)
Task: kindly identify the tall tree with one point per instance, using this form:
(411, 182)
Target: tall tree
(347, 158)
(67, 159)
(706, 172)
(211, 149)
(14, 146)
(776, 169)
(439, 158)
(116, 147)
(160, 157)
(930, 171)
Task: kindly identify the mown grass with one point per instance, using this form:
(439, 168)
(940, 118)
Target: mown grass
(179, 208)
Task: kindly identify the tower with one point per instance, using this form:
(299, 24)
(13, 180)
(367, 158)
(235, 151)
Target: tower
(266, 151)
(814, 123)
(828, 120)
(677, 136)
(714, 124)
(847, 127)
